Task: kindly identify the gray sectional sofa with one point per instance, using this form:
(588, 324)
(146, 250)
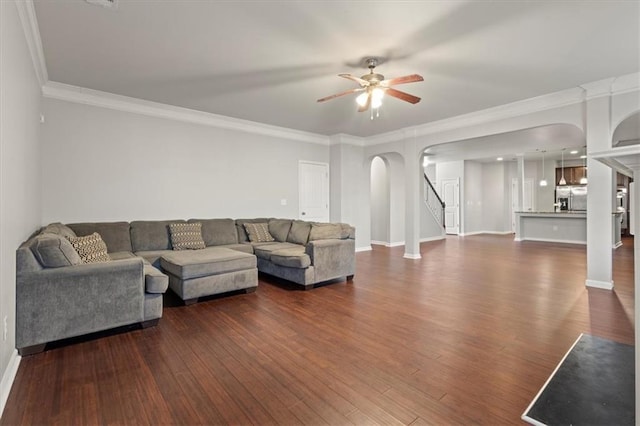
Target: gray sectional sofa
(57, 296)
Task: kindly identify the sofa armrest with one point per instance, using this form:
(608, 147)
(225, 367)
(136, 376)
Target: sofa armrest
(58, 303)
(332, 258)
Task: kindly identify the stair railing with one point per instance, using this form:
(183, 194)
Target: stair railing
(434, 202)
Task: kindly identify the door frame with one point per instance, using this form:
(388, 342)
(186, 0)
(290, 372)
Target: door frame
(327, 182)
(455, 228)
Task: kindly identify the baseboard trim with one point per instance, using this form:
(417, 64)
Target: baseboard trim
(616, 245)
(486, 232)
(549, 240)
(386, 244)
(8, 377)
(438, 238)
(365, 248)
(605, 285)
(412, 256)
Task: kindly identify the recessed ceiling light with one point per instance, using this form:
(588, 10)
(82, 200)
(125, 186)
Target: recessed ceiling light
(575, 151)
(499, 159)
(583, 156)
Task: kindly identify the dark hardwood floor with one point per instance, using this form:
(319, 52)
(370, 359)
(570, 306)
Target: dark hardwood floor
(466, 335)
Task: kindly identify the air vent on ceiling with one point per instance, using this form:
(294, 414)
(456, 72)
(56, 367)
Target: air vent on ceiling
(110, 4)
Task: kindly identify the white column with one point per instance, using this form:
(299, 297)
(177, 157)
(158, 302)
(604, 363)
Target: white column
(600, 187)
(635, 210)
(412, 168)
(520, 158)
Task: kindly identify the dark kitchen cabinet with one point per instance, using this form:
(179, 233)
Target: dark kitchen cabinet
(571, 174)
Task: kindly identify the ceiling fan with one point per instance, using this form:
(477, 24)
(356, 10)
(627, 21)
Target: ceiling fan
(373, 87)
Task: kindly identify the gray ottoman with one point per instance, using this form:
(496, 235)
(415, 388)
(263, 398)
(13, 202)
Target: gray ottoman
(214, 270)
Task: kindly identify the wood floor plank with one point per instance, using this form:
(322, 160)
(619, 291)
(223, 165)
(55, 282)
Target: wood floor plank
(466, 335)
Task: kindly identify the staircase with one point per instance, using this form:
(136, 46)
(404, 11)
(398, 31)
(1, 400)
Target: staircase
(434, 204)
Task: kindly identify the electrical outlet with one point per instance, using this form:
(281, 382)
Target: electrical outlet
(5, 329)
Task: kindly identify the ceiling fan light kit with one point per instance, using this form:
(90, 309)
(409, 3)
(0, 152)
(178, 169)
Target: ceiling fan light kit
(374, 87)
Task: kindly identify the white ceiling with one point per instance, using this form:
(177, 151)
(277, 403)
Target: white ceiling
(529, 143)
(268, 61)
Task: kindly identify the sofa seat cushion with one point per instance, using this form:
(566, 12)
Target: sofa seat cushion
(243, 247)
(154, 280)
(205, 262)
(153, 256)
(119, 255)
(264, 250)
(291, 258)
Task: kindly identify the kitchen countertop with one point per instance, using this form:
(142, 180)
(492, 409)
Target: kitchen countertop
(555, 213)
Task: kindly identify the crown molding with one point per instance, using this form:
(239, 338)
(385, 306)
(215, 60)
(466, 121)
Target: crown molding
(345, 139)
(29, 22)
(527, 106)
(626, 83)
(98, 98)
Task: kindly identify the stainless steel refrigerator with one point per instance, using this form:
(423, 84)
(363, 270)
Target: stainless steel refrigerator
(571, 198)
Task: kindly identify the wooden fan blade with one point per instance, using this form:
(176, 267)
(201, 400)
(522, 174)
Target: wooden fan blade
(361, 82)
(365, 106)
(346, 92)
(402, 95)
(402, 80)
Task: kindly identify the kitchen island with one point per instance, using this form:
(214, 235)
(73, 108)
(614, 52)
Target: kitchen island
(557, 227)
(560, 227)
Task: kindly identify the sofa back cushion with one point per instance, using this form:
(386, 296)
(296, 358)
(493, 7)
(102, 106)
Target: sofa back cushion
(299, 233)
(59, 229)
(325, 231)
(151, 234)
(242, 233)
(217, 232)
(54, 251)
(114, 234)
(280, 228)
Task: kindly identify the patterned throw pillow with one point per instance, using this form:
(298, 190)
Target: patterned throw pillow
(258, 232)
(186, 236)
(91, 248)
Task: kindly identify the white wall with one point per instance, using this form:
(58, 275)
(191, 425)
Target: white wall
(397, 196)
(496, 197)
(19, 172)
(473, 196)
(104, 165)
(380, 201)
(350, 189)
(545, 196)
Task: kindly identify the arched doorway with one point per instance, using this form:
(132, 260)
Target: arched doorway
(387, 200)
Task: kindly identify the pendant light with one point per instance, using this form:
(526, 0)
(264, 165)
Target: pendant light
(563, 181)
(543, 181)
(583, 179)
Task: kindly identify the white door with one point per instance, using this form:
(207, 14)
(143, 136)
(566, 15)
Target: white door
(451, 197)
(527, 204)
(313, 191)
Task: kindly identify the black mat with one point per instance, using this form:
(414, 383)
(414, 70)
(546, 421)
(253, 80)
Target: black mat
(593, 385)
